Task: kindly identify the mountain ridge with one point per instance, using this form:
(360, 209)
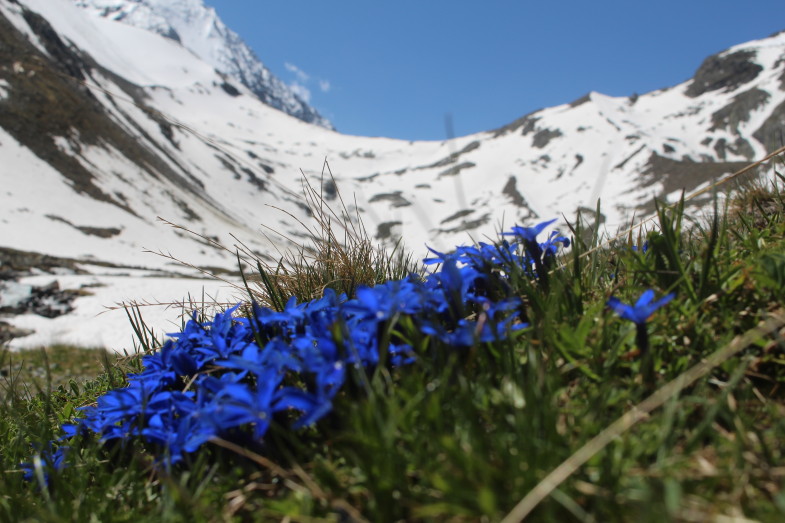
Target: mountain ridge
(199, 29)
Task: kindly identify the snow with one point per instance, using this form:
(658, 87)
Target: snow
(100, 321)
(197, 28)
(4, 86)
(13, 293)
(139, 56)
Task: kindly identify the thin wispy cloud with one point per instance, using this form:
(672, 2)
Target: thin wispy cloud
(303, 82)
(301, 75)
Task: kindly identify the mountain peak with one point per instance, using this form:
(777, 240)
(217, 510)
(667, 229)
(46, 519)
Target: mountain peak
(199, 29)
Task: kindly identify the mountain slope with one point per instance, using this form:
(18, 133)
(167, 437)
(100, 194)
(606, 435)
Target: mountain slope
(199, 30)
(100, 134)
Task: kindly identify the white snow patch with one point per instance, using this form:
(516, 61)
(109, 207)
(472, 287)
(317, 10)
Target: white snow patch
(93, 324)
(13, 293)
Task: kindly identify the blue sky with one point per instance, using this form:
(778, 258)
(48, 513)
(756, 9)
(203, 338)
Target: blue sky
(396, 68)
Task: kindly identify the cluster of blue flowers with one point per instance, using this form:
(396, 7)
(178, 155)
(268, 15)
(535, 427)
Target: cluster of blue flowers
(217, 376)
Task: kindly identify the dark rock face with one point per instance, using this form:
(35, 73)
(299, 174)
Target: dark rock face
(454, 170)
(395, 199)
(580, 101)
(456, 216)
(452, 158)
(14, 263)
(772, 133)
(738, 111)
(511, 191)
(468, 225)
(65, 59)
(724, 72)
(741, 147)
(683, 175)
(101, 232)
(543, 136)
(384, 231)
(230, 89)
(526, 123)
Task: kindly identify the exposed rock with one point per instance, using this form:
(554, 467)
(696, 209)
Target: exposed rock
(621, 164)
(724, 72)
(455, 216)
(738, 111)
(526, 122)
(14, 263)
(782, 77)
(740, 147)
(771, 134)
(469, 225)
(230, 89)
(582, 100)
(452, 158)
(543, 136)
(101, 232)
(229, 164)
(683, 174)
(48, 301)
(395, 199)
(329, 190)
(384, 230)
(9, 332)
(511, 191)
(452, 171)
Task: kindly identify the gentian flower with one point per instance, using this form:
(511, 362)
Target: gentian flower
(529, 234)
(540, 254)
(643, 308)
(228, 377)
(52, 459)
(638, 314)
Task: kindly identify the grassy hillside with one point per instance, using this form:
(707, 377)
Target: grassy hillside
(543, 382)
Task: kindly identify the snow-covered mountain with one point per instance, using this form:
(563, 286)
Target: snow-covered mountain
(105, 125)
(198, 29)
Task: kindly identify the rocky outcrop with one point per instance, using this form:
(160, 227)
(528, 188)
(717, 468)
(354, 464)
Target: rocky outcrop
(772, 133)
(738, 111)
(724, 72)
(48, 301)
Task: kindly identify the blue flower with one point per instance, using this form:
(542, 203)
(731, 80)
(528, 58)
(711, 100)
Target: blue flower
(643, 308)
(549, 247)
(228, 377)
(48, 460)
(529, 234)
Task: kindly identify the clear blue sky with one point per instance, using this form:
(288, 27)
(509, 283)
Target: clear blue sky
(396, 68)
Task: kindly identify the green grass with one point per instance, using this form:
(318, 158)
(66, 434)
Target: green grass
(42, 370)
(466, 435)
